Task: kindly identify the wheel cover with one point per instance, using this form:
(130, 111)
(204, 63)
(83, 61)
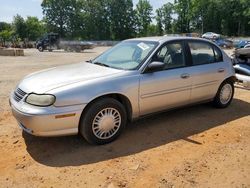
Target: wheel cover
(106, 123)
(226, 93)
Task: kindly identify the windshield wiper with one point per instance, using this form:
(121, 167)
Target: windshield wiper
(89, 61)
(102, 64)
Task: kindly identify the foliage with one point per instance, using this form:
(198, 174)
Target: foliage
(144, 13)
(29, 29)
(5, 35)
(34, 28)
(19, 26)
(58, 14)
(118, 20)
(121, 19)
(94, 20)
(164, 18)
(229, 17)
(5, 26)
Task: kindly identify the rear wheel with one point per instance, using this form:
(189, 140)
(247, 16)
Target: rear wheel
(103, 121)
(224, 95)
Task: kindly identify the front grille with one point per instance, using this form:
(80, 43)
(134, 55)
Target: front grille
(19, 94)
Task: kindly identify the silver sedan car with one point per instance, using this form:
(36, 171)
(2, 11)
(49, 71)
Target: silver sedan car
(135, 78)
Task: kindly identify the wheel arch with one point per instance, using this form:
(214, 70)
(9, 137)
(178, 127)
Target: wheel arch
(117, 96)
(231, 79)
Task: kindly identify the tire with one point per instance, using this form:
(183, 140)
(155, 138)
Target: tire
(40, 49)
(221, 101)
(103, 121)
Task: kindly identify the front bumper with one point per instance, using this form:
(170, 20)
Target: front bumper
(47, 121)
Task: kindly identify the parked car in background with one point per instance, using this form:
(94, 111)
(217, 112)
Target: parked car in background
(241, 43)
(247, 46)
(223, 42)
(210, 35)
(52, 41)
(135, 78)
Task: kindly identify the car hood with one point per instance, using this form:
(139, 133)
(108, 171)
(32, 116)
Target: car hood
(43, 81)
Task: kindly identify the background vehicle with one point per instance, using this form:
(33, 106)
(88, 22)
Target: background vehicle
(52, 41)
(223, 42)
(210, 35)
(241, 61)
(241, 43)
(247, 46)
(135, 78)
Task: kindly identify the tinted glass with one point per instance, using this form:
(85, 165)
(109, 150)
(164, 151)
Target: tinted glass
(202, 53)
(126, 55)
(171, 55)
(217, 55)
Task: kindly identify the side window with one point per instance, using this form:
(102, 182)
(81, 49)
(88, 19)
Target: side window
(172, 55)
(201, 52)
(217, 55)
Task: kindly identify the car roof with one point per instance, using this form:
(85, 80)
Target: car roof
(163, 39)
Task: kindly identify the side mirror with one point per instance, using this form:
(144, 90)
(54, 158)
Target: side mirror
(155, 66)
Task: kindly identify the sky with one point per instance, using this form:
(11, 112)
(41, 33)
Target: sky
(9, 8)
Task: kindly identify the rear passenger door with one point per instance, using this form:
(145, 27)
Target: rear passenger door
(208, 70)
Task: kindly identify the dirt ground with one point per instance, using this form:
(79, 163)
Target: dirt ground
(197, 146)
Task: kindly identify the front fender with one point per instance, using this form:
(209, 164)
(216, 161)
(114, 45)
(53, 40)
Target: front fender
(84, 93)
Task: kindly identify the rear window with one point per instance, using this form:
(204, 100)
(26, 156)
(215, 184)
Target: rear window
(204, 53)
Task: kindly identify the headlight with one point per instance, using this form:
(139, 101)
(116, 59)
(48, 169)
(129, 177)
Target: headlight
(40, 100)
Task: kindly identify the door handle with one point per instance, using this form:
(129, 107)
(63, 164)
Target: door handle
(185, 76)
(221, 70)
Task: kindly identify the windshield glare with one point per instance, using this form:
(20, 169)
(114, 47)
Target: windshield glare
(126, 55)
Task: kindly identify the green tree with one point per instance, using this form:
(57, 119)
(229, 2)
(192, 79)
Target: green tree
(159, 25)
(34, 28)
(164, 18)
(144, 13)
(96, 14)
(153, 30)
(183, 11)
(245, 25)
(20, 27)
(5, 26)
(117, 20)
(234, 19)
(90, 19)
(199, 11)
(57, 14)
(5, 35)
(121, 19)
(226, 17)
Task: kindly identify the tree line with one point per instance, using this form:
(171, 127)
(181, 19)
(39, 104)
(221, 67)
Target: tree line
(21, 30)
(120, 19)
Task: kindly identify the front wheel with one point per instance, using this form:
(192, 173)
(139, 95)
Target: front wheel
(40, 48)
(103, 121)
(224, 95)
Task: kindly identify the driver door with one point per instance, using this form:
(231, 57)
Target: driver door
(169, 87)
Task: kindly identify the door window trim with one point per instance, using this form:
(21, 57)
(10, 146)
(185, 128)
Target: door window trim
(184, 48)
(189, 54)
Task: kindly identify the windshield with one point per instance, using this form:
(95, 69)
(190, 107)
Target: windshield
(127, 55)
